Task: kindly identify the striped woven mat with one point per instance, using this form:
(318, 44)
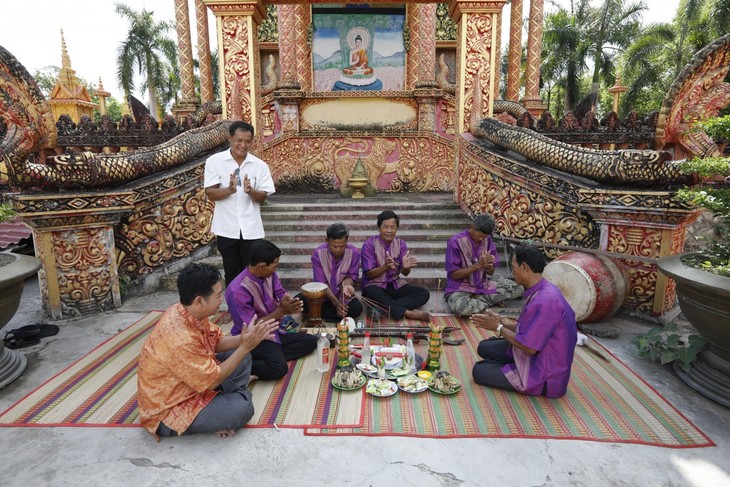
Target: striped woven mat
(605, 402)
(100, 390)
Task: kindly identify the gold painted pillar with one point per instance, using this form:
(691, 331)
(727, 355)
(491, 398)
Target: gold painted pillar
(79, 273)
(189, 102)
(238, 57)
(204, 64)
(532, 100)
(476, 58)
(102, 94)
(421, 51)
(295, 48)
(514, 55)
(647, 225)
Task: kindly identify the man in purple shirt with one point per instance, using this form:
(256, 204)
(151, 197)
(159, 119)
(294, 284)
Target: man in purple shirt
(257, 294)
(384, 258)
(337, 264)
(534, 354)
(471, 257)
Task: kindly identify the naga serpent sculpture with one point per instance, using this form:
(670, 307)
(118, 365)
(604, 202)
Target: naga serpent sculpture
(27, 127)
(625, 167)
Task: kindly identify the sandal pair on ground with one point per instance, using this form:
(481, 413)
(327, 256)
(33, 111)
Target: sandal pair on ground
(28, 335)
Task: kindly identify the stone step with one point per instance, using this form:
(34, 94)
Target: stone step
(357, 237)
(320, 225)
(374, 206)
(325, 215)
(417, 247)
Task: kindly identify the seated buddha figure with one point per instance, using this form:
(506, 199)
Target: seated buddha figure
(358, 60)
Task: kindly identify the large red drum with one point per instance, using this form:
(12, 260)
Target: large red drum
(595, 286)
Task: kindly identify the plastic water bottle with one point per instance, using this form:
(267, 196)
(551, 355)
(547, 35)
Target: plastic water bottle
(323, 353)
(410, 351)
(366, 349)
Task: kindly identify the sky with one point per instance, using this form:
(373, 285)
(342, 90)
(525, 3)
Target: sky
(93, 32)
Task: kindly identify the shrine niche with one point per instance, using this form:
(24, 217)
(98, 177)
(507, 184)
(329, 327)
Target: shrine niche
(358, 48)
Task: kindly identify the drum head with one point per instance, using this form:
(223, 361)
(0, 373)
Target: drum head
(314, 287)
(575, 284)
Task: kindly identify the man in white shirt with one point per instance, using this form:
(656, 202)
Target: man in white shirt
(238, 182)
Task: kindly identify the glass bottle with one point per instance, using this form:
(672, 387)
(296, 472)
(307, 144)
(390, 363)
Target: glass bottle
(366, 349)
(323, 353)
(410, 352)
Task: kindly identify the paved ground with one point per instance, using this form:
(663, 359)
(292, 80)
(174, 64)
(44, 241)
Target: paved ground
(130, 457)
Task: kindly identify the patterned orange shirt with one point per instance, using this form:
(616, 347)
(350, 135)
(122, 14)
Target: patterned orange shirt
(176, 369)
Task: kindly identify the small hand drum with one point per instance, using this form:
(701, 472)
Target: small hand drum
(314, 292)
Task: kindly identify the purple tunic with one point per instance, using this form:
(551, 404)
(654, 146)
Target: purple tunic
(333, 270)
(461, 252)
(248, 295)
(373, 255)
(546, 324)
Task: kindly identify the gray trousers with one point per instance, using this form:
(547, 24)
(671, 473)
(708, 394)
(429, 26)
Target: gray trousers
(487, 372)
(230, 409)
(466, 304)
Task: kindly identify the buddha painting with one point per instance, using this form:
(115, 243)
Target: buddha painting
(358, 59)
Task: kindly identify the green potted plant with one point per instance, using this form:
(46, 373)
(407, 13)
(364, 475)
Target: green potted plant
(703, 278)
(14, 269)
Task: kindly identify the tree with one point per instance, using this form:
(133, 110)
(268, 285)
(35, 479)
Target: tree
(613, 27)
(46, 78)
(146, 50)
(565, 49)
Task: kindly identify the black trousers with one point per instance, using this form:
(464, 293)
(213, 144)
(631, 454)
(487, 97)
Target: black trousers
(398, 300)
(234, 252)
(329, 312)
(487, 372)
(270, 358)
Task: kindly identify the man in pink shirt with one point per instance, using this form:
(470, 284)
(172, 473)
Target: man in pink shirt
(534, 354)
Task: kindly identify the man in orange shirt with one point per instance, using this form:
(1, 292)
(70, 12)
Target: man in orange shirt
(191, 378)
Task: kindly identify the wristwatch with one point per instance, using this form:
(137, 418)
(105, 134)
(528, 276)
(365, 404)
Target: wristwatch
(499, 330)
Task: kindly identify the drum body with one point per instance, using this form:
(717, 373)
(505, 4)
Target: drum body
(595, 286)
(314, 292)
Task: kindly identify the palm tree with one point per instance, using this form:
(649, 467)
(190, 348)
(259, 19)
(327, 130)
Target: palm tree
(647, 70)
(146, 50)
(565, 49)
(613, 28)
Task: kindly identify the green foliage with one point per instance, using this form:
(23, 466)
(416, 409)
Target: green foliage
(712, 193)
(148, 51)
(664, 344)
(717, 127)
(6, 212)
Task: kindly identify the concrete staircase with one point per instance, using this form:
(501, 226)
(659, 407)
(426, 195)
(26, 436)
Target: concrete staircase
(297, 224)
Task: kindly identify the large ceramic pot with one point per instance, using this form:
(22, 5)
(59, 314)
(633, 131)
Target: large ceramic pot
(14, 269)
(705, 301)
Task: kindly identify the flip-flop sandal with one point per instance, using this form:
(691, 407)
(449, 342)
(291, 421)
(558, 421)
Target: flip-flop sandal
(38, 330)
(453, 341)
(21, 342)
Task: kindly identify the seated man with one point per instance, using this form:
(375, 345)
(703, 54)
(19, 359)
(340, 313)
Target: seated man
(337, 264)
(257, 291)
(191, 378)
(471, 256)
(384, 258)
(534, 354)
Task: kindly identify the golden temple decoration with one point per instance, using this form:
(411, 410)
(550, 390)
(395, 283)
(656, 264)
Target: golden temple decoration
(68, 96)
(514, 54)
(268, 30)
(445, 27)
(204, 61)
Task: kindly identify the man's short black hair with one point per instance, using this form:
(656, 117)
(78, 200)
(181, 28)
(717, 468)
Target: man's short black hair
(484, 224)
(532, 256)
(388, 215)
(240, 125)
(196, 280)
(263, 251)
(336, 231)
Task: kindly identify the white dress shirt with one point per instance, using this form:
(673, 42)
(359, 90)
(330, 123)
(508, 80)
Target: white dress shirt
(237, 214)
